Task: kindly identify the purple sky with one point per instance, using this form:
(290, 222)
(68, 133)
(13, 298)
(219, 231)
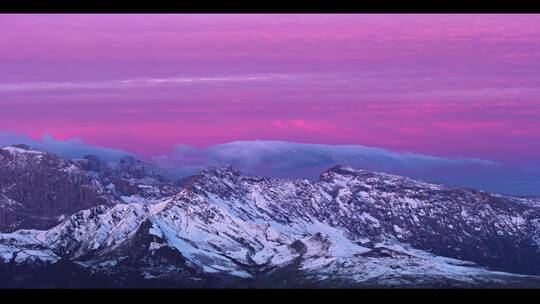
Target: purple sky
(442, 85)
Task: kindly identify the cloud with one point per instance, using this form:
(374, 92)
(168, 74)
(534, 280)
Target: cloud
(133, 83)
(72, 148)
(297, 160)
(288, 159)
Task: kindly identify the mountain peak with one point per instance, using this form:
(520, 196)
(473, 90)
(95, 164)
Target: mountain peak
(130, 160)
(222, 171)
(134, 167)
(21, 149)
(343, 169)
(338, 169)
(92, 157)
(208, 176)
(22, 146)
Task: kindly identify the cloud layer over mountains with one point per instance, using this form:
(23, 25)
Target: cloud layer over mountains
(72, 148)
(288, 159)
(301, 160)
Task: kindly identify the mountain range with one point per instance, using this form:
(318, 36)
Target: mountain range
(89, 223)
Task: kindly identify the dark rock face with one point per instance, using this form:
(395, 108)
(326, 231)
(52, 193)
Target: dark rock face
(11, 212)
(298, 246)
(132, 167)
(38, 189)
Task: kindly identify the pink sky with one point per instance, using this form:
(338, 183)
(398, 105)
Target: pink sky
(445, 85)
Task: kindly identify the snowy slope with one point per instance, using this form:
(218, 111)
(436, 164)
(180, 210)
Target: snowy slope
(351, 227)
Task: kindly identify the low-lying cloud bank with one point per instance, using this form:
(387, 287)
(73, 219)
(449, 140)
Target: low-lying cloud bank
(297, 160)
(288, 159)
(72, 148)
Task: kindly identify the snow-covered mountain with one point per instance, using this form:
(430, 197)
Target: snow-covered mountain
(39, 189)
(351, 228)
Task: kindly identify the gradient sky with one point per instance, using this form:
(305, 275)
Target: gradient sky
(442, 85)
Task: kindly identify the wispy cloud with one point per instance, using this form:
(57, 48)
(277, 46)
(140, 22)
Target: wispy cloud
(135, 82)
